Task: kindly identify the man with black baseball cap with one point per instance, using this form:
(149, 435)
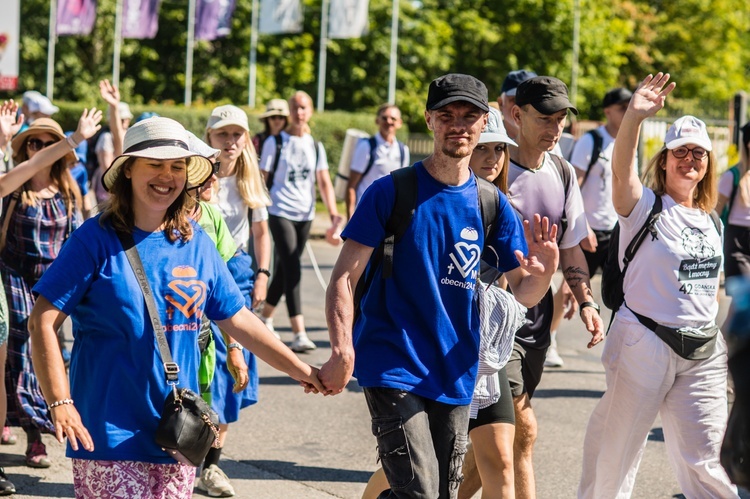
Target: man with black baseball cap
(591, 158)
(544, 183)
(417, 333)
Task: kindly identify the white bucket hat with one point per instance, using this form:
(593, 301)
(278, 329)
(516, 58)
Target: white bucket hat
(227, 115)
(495, 130)
(159, 138)
(688, 130)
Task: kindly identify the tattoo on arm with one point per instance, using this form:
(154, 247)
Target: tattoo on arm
(575, 276)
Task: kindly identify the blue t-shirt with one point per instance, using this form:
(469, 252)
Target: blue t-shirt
(419, 330)
(116, 373)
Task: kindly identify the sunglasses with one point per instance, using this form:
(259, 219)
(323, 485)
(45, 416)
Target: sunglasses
(276, 117)
(698, 152)
(36, 144)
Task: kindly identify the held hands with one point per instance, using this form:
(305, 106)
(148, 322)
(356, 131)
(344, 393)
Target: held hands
(68, 424)
(10, 121)
(544, 256)
(109, 93)
(312, 383)
(650, 96)
(336, 373)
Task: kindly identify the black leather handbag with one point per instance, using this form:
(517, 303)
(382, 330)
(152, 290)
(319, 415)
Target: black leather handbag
(188, 427)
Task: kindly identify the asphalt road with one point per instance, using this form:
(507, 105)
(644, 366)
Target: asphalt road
(291, 445)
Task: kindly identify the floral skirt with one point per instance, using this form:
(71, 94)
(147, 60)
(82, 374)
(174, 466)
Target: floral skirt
(94, 479)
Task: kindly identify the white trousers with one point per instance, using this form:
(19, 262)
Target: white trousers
(645, 378)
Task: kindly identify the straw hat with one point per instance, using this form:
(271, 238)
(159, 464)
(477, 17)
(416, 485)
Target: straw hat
(276, 107)
(159, 138)
(38, 127)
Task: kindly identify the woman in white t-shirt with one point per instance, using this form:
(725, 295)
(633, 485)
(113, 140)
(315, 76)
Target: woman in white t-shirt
(737, 193)
(292, 174)
(671, 289)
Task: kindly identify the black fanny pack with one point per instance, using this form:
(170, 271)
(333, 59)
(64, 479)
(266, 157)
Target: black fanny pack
(687, 342)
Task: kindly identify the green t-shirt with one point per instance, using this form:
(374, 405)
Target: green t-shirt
(213, 223)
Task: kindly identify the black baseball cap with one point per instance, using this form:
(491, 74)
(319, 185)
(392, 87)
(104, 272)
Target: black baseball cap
(616, 96)
(515, 78)
(455, 87)
(547, 94)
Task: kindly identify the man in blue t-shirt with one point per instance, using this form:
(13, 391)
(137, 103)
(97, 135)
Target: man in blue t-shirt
(416, 339)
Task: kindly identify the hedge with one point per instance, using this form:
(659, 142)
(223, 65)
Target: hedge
(328, 127)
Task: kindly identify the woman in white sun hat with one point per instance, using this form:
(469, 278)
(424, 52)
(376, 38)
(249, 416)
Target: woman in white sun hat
(110, 410)
(664, 354)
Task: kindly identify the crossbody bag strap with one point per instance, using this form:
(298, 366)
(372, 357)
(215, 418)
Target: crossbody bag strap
(170, 366)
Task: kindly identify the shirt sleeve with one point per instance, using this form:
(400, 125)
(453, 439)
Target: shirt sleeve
(322, 158)
(509, 237)
(407, 157)
(367, 225)
(361, 156)
(726, 182)
(574, 212)
(582, 151)
(105, 143)
(260, 214)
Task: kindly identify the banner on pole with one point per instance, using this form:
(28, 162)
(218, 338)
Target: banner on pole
(140, 18)
(213, 19)
(10, 33)
(348, 18)
(75, 17)
(280, 16)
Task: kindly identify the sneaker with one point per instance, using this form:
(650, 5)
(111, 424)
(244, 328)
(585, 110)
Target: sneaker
(302, 343)
(6, 486)
(214, 482)
(36, 456)
(553, 358)
(7, 437)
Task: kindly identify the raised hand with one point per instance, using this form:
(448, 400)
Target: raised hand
(88, 124)
(543, 256)
(109, 93)
(10, 121)
(650, 96)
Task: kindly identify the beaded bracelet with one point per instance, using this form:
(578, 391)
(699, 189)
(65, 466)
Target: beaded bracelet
(61, 402)
(71, 141)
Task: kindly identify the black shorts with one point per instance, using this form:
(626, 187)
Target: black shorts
(501, 411)
(597, 259)
(525, 369)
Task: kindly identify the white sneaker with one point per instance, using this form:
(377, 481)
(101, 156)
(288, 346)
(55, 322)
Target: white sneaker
(214, 482)
(302, 343)
(553, 358)
(269, 324)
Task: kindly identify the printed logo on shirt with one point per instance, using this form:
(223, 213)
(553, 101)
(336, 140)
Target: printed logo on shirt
(705, 264)
(464, 259)
(187, 294)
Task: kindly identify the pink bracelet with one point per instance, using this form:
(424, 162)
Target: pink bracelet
(61, 402)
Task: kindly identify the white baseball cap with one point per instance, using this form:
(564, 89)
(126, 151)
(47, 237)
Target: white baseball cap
(227, 115)
(37, 102)
(495, 130)
(688, 130)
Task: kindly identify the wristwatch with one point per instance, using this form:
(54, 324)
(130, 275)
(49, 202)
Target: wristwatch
(591, 304)
(234, 345)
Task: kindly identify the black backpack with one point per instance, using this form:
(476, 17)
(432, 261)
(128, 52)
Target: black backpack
(613, 277)
(595, 152)
(405, 203)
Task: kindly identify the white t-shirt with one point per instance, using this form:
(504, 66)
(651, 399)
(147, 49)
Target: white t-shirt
(293, 190)
(597, 189)
(739, 213)
(673, 280)
(387, 158)
(541, 191)
(105, 143)
(233, 209)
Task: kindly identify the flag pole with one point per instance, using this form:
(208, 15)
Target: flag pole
(51, 48)
(394, 54)
(118, 44)
(189, 55)
(323, 56)
(576, 49)
(253, 56)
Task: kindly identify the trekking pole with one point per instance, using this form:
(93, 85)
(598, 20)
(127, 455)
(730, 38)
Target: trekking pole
(321, 279)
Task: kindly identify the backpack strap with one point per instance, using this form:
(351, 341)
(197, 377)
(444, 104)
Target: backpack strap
(649, 227)
(595, 152)
(373, 145)
(405, 185)
(488, 205)
(735, 184)
(8, 213)
(716, 220)
(279, 143)
(564, 171)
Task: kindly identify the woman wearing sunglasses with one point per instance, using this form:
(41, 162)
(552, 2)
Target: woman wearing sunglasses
(664, 354)
(41, 207)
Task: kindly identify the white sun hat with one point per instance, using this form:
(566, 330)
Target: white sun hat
(159, 138)
(495, 130)
(688, 130)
